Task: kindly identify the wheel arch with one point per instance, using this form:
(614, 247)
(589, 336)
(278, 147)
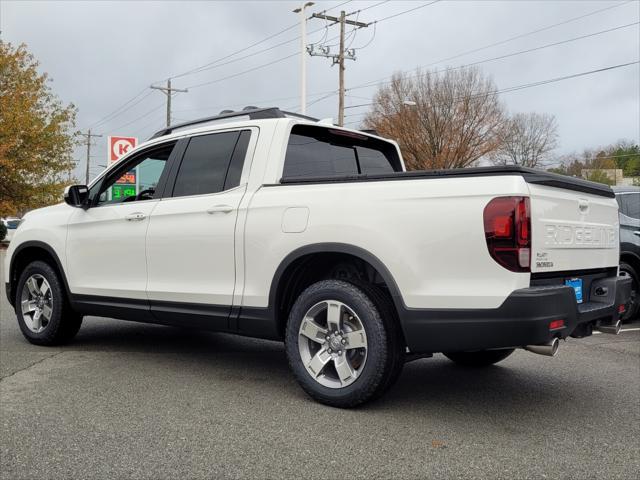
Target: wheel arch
(28, 252)
(632, 259)
(292, 266)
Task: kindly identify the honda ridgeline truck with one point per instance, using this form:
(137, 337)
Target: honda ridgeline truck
(273, 225)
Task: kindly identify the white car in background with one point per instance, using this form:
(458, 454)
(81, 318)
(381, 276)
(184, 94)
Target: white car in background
(12, 224)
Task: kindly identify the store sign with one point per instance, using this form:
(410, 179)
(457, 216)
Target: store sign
(125, 186)
(120, 146)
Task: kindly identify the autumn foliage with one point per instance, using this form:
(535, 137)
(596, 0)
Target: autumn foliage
(36, 135)
(440, 120)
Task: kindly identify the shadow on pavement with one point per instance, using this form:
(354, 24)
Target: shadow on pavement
(516, 387)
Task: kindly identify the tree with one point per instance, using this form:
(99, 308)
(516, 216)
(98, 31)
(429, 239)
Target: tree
(592, 163)
(450, 121)
(36, 135)
(527, 139)
(599, 176)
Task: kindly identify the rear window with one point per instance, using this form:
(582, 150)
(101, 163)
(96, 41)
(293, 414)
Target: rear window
(325, 152)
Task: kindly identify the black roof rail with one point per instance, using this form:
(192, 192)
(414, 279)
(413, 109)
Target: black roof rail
(252, 113)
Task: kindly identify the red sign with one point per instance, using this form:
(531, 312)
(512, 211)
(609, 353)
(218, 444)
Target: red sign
(120, 146)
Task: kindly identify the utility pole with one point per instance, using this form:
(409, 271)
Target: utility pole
(168, 91)
(338, 59)
(303, 57)
(88, 136)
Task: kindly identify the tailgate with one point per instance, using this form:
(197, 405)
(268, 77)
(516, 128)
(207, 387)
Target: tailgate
(572, 230)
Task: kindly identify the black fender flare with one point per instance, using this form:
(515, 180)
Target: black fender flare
(345, 248)
(42, 246)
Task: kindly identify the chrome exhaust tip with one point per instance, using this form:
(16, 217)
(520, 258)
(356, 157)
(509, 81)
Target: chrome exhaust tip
(549, 349)
(613, 329)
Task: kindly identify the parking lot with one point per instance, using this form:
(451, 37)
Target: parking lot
(128, 400)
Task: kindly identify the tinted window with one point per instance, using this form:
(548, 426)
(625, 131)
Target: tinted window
(325, 152)
(205, 163)
(237, 161)
(308, 157)
(631, 205)
(373, 161)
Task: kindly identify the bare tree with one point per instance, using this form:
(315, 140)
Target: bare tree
(450, 121)
(527, 139)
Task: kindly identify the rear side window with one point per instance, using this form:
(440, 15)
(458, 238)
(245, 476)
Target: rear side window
(325, 152)
(212, 163)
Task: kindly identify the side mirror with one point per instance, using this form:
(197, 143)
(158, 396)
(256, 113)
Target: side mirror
(77, 196)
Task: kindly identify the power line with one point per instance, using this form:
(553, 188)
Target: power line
(532, 84)
(128, 104)
(369, 7)
(198, 85)
(118, 111)
(156, 108)
(407, 11)
(517, 37)
(216, 63)
(204, 67)
(501, 57)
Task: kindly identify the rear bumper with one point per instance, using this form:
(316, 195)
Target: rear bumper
(523, 319)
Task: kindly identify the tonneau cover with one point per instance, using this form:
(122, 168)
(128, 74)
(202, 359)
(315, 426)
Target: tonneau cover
(539, 177)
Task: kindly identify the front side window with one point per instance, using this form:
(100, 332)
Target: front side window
(134, 181)
(212, 163)
(325, 152)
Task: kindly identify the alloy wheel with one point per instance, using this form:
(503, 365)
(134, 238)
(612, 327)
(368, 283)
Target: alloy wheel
(36, 303)
(332, 343)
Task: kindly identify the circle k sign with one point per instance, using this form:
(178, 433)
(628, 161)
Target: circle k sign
(119, 146)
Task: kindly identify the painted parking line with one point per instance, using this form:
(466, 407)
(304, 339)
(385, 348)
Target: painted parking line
(623, 330)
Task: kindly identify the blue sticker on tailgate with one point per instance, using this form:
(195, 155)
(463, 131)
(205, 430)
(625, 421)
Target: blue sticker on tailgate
(576, 284)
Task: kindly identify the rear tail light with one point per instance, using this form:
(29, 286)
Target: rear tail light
(556, 324)
(622, 309)
(507, 228)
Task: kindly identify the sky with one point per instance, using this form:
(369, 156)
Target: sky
(101, 55)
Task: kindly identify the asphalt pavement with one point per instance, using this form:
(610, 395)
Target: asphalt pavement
(128, 400)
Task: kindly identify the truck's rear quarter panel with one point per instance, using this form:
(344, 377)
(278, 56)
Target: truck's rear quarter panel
(428, 233)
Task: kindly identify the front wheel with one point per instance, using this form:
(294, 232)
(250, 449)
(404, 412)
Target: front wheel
(341, 345)
(44, 315)
(482, 358)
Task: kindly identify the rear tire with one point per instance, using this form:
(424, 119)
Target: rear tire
(482, 358)
(43, 311)
(341, 343)
(633, 305)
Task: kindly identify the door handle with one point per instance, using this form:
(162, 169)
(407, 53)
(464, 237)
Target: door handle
(637, 232)
(135, 217)
(220, 209)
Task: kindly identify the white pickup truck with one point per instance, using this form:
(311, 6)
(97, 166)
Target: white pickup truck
(273, 225)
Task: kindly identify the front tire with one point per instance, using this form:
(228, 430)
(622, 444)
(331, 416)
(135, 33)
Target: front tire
(44, 315)
(341, 347)
(482, 358)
